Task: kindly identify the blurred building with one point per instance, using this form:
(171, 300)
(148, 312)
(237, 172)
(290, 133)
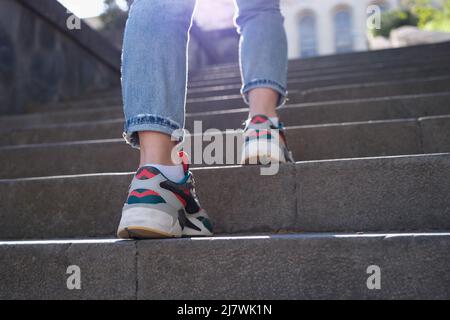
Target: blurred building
(314, 27)
(320, 27)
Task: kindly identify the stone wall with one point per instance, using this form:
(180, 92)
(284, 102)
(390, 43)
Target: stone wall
(42, 61)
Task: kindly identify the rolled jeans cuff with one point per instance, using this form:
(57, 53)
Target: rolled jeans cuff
(265, 83)
(150, 122)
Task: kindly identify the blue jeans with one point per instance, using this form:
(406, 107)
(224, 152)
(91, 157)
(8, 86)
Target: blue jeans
(154, 60)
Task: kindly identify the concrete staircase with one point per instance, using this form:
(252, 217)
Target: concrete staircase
(370, 132)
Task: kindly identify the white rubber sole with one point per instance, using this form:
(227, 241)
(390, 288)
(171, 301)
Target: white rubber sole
(148, 223)
(262, 152)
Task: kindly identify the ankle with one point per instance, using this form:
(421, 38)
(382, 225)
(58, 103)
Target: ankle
(263, 101)
(269, 112)
(156, 148)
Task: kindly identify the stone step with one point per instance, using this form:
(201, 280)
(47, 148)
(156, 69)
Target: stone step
(414, 60)
(352, 91)
(426, 52)
(344, 78)
(332, 70)
(59, 117)
(300, 85)
(234, 82)
(348, 91)
(231, 86)
(436, 133)
(295, 266)
(113, 96)
(376, 89)
(18, 128)
(303, 91)
(315, 142)
(79, 131)
(408, 193)
(74, 104)
(413, 106)
(115, 92)
(212, 89)
(356, 110)
(335, 65)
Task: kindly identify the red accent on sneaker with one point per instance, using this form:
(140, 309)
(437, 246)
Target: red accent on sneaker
(184, 160)
(183, 202)
(145, 174)
(258, 119)
(258, 133)
(144, 194)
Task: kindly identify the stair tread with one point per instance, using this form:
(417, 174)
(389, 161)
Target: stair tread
(399, 102)
(307, 142)
(310, 196)
(297, 266)
(425, 51)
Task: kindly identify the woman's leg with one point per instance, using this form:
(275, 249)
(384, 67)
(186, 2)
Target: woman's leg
(161, 202)
(263, 55)
(264, 63)
(154, 75)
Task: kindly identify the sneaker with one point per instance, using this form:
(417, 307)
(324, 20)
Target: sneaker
(264, 142)
(159, 208)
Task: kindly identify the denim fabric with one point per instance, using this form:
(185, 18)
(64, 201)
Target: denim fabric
(154, 60)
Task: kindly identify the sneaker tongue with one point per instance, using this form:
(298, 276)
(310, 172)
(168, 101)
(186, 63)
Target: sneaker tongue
(184, 160)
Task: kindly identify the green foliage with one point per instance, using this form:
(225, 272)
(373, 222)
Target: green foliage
(431, 17)
(391, 20)
(425, 14)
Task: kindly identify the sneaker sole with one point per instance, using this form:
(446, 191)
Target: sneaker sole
(252, 154)
(148, 223)
(136, 232)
